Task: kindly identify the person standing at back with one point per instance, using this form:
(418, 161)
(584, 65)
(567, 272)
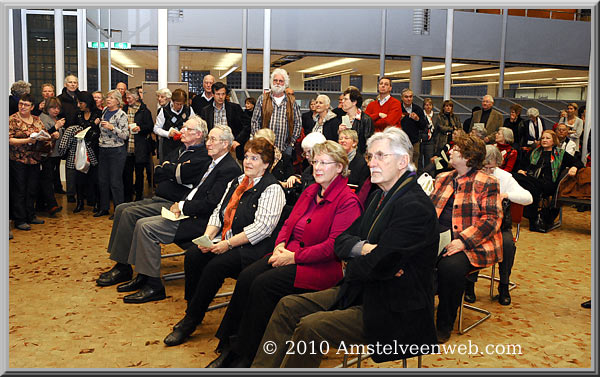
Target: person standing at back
(387, 110)
(169, 121)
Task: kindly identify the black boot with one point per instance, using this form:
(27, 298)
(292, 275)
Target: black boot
(503, 295)
(470, 291)
(80, 206)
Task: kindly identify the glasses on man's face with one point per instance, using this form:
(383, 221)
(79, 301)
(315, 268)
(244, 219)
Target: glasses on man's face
(188, 129)
(316, 163)
(213, 139)
(379, 156)
(251, 158)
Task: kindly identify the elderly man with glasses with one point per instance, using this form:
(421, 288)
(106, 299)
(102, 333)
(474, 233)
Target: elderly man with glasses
(175, 178)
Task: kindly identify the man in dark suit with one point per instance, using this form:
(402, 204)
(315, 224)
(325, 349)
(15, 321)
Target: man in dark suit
(413, 122)
(308, 118)
(221, 111)
(198, 204)
(206, 98)
(386, 296)
(174, 178)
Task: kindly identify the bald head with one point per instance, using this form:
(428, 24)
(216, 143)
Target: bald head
(207, 84)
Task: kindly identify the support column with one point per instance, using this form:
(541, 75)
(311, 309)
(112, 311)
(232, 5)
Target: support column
(108, 49)
(416, 74)
(24, 48)
(173, 68)
(448, 60)
(244, 49)
(502, 53)
(82, 48)
(382, 43)
(99, 51)
(267, 49)
(163, 29)
(11, 49)
(590, 115)
(59, 48)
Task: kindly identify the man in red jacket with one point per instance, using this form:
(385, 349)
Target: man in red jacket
(386, 111)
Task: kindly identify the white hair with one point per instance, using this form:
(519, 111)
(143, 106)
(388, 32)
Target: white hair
(227, 135)
(311, 139)
(326, 100)
(533, 112)
(488, 97)
(399, 143)
(282, 72)
(164, 92)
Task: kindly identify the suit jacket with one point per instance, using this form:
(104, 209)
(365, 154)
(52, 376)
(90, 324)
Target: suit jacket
(404, 227)
(494, 122)
(69, 108)
(477, 213)
(359, 170)
(307, 122)
(143, 118)
(199, 103)
(182, 170)
(443, 128)
(414, 129)
(317, 267)
(209, 193)
(236, 120)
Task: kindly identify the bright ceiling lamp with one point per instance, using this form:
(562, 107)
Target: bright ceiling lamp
(227, 60)
(331, 64)
(121, 70)
(505, 73)
(120, 57)
(342, 72)
(228, 72)
(431, 68)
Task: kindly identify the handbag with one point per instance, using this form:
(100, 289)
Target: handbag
(82, 160)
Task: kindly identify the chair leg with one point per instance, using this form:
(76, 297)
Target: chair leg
(493, 279)
(463, 306)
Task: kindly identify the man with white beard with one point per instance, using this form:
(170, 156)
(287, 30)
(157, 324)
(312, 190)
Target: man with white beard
(278, 111)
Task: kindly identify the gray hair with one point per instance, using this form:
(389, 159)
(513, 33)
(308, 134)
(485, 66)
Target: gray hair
(479, 131)
(399, 142)
(117, 95)
(227, 135)
(366, 103)
(489, 97)
(282, 72)
(533, 112)
(200, 124)
(69, 76)
(20, 87)
(492, 155)
(164, 92)
(325, 99)
(134, 93)
(311, 139)
(509, 136)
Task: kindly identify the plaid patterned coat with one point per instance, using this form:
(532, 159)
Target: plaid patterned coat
(477, 213)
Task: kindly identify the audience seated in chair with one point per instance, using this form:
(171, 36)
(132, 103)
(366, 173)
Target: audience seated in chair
(174, 178)
(504, 143)
(468, 204)
(510, 192)
(303, 259)
(240, 227)
(386, 296)
(359, 171)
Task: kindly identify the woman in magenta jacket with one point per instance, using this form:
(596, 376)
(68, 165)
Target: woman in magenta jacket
(302, 261)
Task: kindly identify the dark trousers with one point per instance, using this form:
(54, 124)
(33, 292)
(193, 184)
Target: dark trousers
(204, 276)
(110, 175)
(257, 292)
(46, 185)
(537, 188)
(92, 191)
(55, 166)
(508, 259)
(451, 285)
(24, 179)
(128, 183)
(427, 151)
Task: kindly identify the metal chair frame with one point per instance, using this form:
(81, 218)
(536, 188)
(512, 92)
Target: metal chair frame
(361, 357)
(463, 305)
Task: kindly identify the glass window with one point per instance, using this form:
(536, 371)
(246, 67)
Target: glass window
(40, 52)
(356, 81)
(329, 84)
(253, 80)
(194, 80)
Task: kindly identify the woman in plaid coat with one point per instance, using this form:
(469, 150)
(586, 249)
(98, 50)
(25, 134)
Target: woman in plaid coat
(468, 203)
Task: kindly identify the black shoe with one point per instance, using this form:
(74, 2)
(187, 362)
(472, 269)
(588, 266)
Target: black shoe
(224, 359)
(443, 336)
(587, 304)
(102, 212)
(132, 285)
(537, 225)
(178, 324)
(503, 295)
(35, 220)
(59, 190)
(111, 217)
(79, 207)
(54, 210)
(146, 294)
(470, 292)
(96, 208)
(71, 199)
(186, 327)
(114, 276)
(23, 226)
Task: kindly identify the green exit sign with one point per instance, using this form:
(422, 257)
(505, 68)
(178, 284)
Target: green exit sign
(114, 45)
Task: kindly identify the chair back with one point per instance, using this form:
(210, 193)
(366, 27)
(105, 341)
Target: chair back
(516, 213)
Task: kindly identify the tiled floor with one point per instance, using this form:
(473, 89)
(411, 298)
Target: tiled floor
(59, 318)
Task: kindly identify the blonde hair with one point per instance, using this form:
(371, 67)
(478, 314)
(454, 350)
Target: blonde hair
(335, 151)
(266, 133)
(350, 134)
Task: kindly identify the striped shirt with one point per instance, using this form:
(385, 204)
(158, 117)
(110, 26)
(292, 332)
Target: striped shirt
(278, 123)
(268, 211)
(220, 117)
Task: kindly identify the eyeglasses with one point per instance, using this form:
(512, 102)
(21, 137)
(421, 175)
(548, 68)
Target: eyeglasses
(213, 139)
(316, 163)
(252, 158)
(378, 156)
(189, 129)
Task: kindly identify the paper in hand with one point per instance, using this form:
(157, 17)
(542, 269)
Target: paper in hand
(167, 214)
(203, 241)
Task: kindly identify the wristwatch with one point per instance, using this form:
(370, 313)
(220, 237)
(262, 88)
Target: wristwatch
(229, 245)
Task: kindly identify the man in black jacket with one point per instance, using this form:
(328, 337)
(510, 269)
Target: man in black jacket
(174, 179)
(202, 100)
(385, 301)
(70, 108)
(221, 111)
(413, 122)
(151, 232)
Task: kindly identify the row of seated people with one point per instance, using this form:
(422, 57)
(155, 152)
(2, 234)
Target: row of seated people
(287, 265)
